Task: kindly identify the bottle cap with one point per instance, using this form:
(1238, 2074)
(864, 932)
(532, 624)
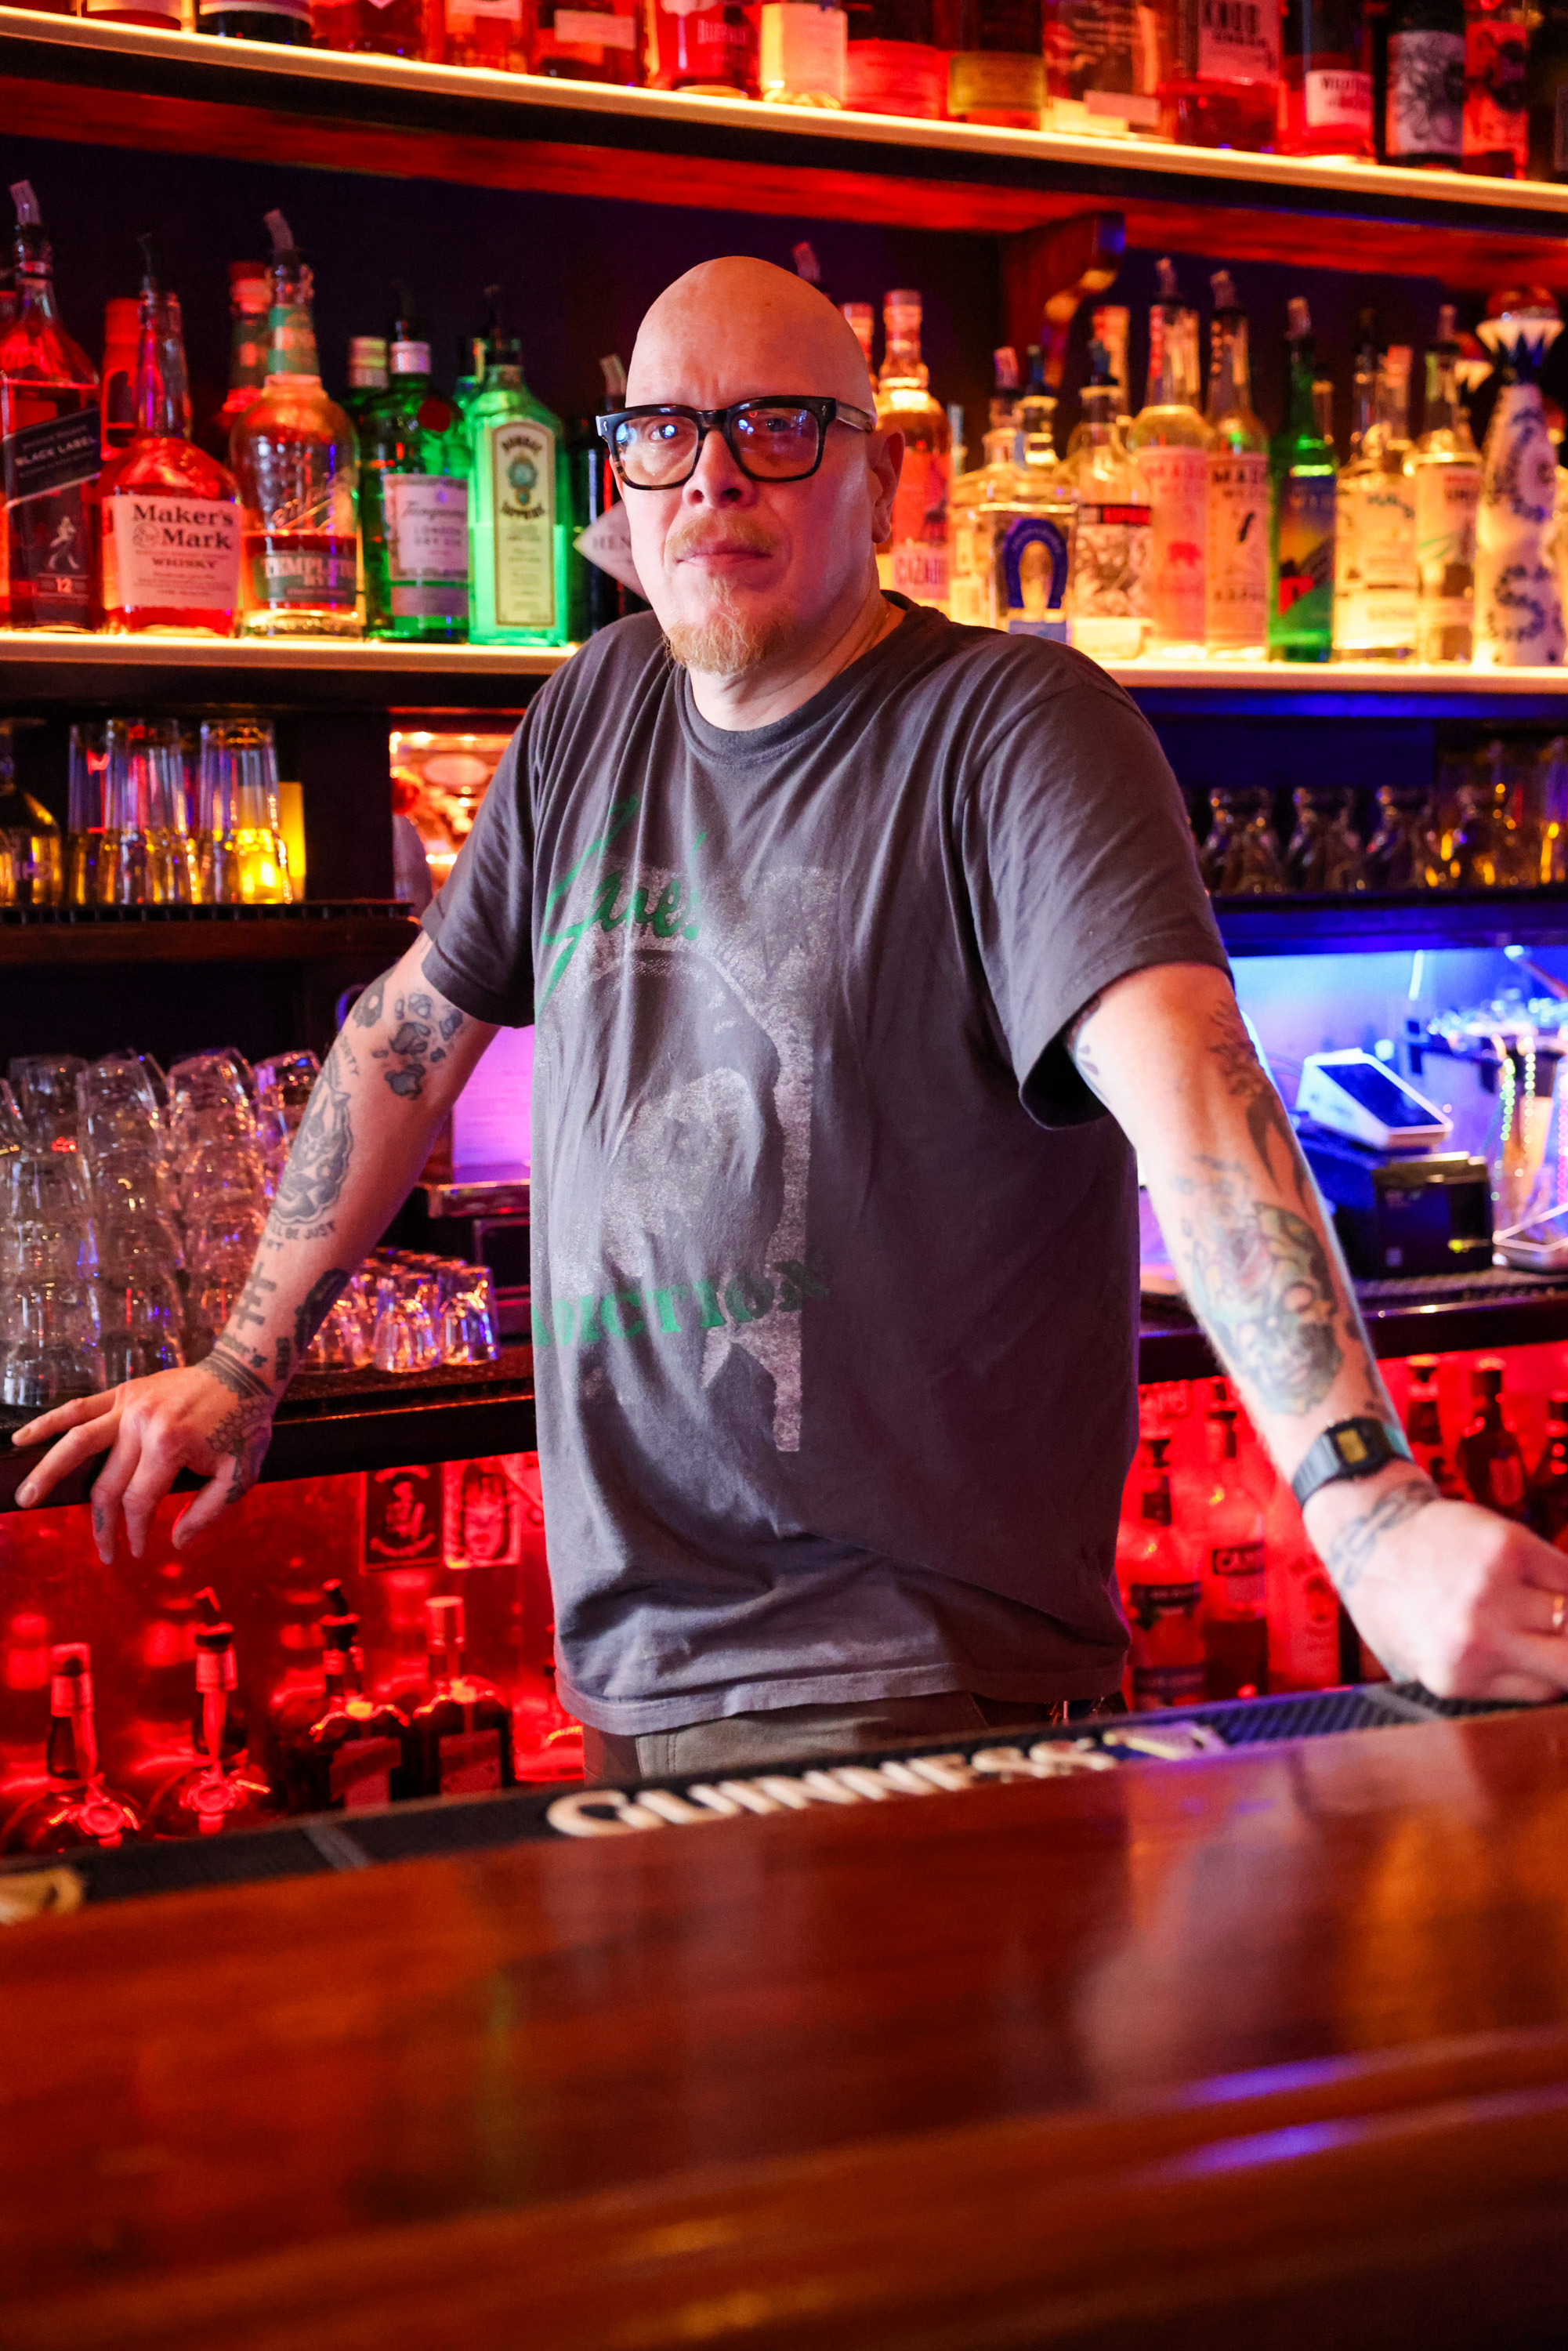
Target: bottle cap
(410, 358)
(1222, 286)
(1005, 362)
(444, 1619)
(1298, 319)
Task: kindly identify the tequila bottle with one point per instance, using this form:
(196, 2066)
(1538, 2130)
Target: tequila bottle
(1162, 1596)
(250, 298)
(1171, 443)
(77, 1808)
(461, 1726)
(1444, 472)
(295, 461)
(519, 510)
(171, 526)
(1376, 577)
(913, 561)
(1113, 529)
(413, 503)
(1301, 478)
(1519, 596)
(1489, 1458)
(1032, 548)
(1234, 1567)
(50, 451)
(1236, 575)
(990, 483)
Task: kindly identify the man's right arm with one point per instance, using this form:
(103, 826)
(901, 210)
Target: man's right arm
(397, 1066)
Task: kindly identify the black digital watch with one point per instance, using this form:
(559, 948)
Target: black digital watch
(1351, 1448)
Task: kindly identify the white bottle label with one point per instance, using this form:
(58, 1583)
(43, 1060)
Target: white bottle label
(1178, 484)
(522, 478)
(1380, 611)
(920, 570)
(803, 49)
(427, 545)
(1236, 575)
(1112, 545)
(1238, 41)
(1338, 100)
(587, 28)
(505, 12)
(177, 554)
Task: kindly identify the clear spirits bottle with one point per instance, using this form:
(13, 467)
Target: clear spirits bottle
(993, 481)
(171, 524)
(78, 1807)
(462, 1726)
(1113, 528)
(1237, 574)
(1376, 577)
(1171, 443)
(519, 509)
(250, 298)
(1219, 82)
(1162, 1596)
(413, 503)
(1235, 1566)
(1102, 67)
(1444, 471)
(590, 41)
(51, 430)
(1302, 476)
(1031, 544)
(1489, 1458)
(997, 71)
(295, 461)
(914, 562)
(1425, 110)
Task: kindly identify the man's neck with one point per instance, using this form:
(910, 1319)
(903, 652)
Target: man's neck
(758, 696)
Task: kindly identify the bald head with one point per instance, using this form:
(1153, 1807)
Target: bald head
(733, 328)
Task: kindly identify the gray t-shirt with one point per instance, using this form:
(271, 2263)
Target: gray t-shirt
(834, 1258)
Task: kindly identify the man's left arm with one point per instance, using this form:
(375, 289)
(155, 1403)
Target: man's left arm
(1445, 1593)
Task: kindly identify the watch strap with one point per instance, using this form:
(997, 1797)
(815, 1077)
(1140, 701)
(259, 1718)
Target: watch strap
(1351, 1448)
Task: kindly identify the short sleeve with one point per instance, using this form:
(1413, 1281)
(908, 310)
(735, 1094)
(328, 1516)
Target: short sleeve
(480, 920)
(1081, 868)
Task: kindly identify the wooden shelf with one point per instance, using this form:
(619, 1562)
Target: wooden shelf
(37, 669)
(1338, 690)
(218, 935)
(1415, 1325)
(65, 77)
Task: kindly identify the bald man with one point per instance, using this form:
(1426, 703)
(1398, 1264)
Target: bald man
(843, 929)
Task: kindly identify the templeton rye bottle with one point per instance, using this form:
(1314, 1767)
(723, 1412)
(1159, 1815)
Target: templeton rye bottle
(296, 462)
(49, 448)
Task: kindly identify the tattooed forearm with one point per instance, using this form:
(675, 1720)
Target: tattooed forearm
(424, 1026)
(1347, 1556)
(1246, 1081)
(319, 1163)
(1262, 1283)
(1083, 1059)
(234, 1371)
(323, 1296)
(368, 1010)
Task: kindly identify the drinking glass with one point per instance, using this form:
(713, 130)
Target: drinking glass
(146, 856)
(1403, 854)
(87, 811)
(283, 1087)
(52, 1348)
(209, 1102)
(407, 1334)
(240, 850)
(468, 1330)
(117, 1111)
(1325, 851)
(142, 1320)
(45, 1085)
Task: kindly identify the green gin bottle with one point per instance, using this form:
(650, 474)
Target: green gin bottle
(520, 509)
(1302, 468)
(413, 503)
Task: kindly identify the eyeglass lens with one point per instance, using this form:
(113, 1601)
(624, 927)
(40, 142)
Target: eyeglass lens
(771, 442)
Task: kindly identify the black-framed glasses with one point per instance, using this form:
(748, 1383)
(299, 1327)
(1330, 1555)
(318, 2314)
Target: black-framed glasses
(777, 439)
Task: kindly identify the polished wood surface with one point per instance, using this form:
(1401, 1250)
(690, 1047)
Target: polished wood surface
(1279, 2036)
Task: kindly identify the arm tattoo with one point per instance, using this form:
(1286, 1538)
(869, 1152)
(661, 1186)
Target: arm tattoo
(1347, 1556)
(1247, 1082)
(424, 1027)
(1263, 1286)
(245, 1432)
(323, 1296)
(368, 1010)
(1078, 1052)
(319, 1163)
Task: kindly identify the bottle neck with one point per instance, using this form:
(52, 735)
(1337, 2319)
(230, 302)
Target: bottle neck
(1101, 407)
(162, 401)
(903, 363)
(1173, 357)
(344, 1672)
(1230, 376)
(248, 347)
(1442, 408)
(1304, 405)
(1036, 428)
(34, 280)
(1391, 409)
(291, 333)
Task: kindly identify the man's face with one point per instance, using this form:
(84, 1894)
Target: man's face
(739, 570)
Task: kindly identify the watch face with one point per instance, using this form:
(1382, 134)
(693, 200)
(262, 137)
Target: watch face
(1352, 1448)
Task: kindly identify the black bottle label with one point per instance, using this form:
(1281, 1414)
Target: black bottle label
(1425, 94)
(49, 470)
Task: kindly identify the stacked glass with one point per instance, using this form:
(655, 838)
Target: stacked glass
(50, 1327)
(124, 1148)
(130, 838)
(407, 1312)
(241, 857)
(222, 1184)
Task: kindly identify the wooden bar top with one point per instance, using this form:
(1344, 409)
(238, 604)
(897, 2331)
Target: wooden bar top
(1267, 2047)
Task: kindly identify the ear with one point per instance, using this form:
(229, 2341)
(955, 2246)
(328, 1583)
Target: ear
(885, 463)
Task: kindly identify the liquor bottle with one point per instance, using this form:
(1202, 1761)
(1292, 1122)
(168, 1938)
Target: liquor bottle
(367, 376)
(116, 377)
(913, 561)
(1497, 90)
(357, 1750)
(249, 299)
(50, 449)
(970, 494)
(219, 1793)
(1490, 1461)
(1032, 536)
(32, 860)
(487, 33)
(591, 41)
(519, 510)
(1325, 80)
(1423, 1421)
(1302, 479)
(461, 1726)
(598, 598)
(997, 71)
(1547, 89)
(297, 463)
(1546, 1504)
(335, 24)
(287, 22)
(1446, 475)
(23, 1709)
(1162, 1597)
(1220, 80)
(171, 524)
(1235, 1566)
(296, 1700)
(1101, 69)
(862, 317)
(1376, 577)
(1519, 595)
(710, 51)
(394, 28)
(1170, 442)
(802, 46)
(893, 65)
(413, 503)
(1113, 529)
(77, 1807)
(1235, 577)
(158, 16)
(1424, 115)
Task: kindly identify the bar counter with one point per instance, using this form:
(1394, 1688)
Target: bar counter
(1265, 2047)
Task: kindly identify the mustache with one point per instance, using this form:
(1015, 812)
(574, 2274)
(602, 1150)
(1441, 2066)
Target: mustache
(700, 533)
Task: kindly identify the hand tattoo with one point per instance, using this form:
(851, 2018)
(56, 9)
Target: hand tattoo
(1348, 1553)
(246, 1432)
(319, 1163)
(1264, 1288)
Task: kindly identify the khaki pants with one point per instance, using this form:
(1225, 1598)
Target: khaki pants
(739, 1742)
